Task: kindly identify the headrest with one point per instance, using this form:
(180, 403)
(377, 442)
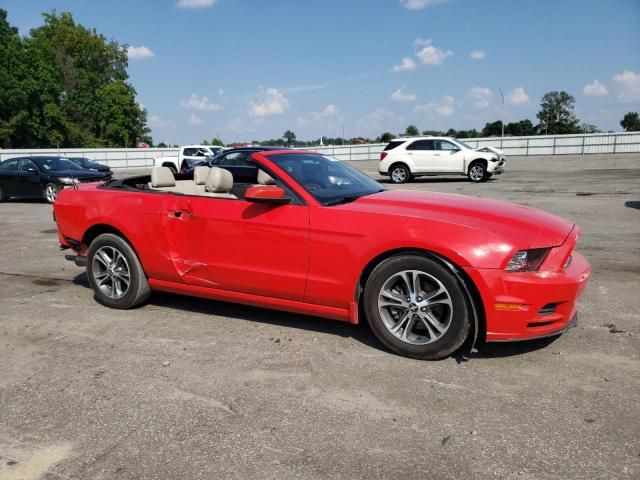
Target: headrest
(200, 174)
(265, 179)
(162, 177)
(219, 180)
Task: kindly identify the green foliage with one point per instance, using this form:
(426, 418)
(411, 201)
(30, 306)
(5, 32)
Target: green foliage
(522, 128)
(66, 86)
(493, 129)
(556, 114)
(411, 131)
(217, 141)
(386, 137)
(290, 137)
(631, 122)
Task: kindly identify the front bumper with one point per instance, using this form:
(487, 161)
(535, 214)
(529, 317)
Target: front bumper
(523, 306)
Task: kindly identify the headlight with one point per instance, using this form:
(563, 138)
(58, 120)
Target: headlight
(526, 260)
(67, 180)
(494, 159)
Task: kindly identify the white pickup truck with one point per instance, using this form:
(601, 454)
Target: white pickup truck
(189, 156)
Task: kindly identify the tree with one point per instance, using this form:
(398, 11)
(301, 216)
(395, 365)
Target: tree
(65, 85)
(589, 128)
(411, 131)
(522, 128)
(162, 145)
(386, 137)
(290, 137)
(216, 141)
(556, 114)
(434, 133)
(493, 129)
(631, 122)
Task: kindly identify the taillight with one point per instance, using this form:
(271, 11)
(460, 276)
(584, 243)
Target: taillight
(382, 155)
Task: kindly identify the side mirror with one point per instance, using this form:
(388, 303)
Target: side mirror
(266, 194)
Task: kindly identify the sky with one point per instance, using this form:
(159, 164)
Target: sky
(247, 70)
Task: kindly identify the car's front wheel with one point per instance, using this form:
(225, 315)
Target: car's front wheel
(51, 192)
(115, 273)
(477, 172)
(399, 173)
(416, 307)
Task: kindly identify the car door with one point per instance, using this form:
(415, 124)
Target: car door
(9, 176)
(235, 245)
(422, 153)
(449, 157)
(29, 180)
(238, 164)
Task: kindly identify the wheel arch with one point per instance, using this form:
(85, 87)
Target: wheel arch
(101, 228)
(478, 160)
(404, 163)
(472, 294)
(170, 165)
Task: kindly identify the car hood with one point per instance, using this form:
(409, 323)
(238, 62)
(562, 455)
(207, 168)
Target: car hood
(75, 173)
(498, 152)
(503, 221)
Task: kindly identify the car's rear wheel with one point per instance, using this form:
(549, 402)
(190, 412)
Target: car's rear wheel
(399, 173)
(477, 172)
(51, 192)
(115, 273)
(416, 307)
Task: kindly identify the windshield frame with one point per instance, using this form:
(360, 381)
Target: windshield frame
(465, 146)
(342, 195)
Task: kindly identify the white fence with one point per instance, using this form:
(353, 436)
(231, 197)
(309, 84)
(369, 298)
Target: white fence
(114, 157)
(603, 143)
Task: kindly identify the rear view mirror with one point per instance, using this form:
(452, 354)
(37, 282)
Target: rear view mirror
(266, 194)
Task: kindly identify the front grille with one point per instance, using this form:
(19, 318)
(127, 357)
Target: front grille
(548, 309)
(90, 179)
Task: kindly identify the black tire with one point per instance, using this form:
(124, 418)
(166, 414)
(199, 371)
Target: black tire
(477, 172)
(399, 173)
(171, 167)
(459, 321)
(50, 192)
(1, 194)
(138, 289)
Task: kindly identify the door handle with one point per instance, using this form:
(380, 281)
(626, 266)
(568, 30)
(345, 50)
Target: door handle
(180, 214)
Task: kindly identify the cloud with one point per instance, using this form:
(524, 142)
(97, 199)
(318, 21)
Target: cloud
(628, 85)
(479, 96)
(477, 54)
(194, 119)
(200, 104)
(378, 120)
(196, 3)
(595, 89)
(329, 111)
(273, 102)
(407, 64)
(420, 4)
(517, 96)
(400, 95)
(442, 109)
(139, 53)
(429, 54)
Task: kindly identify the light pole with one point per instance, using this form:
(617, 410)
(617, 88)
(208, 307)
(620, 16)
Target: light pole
(502, 121)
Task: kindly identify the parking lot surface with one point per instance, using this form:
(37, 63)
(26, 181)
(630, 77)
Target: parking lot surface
(188, 388)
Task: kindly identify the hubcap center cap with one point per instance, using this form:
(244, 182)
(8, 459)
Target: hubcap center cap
(413, 307)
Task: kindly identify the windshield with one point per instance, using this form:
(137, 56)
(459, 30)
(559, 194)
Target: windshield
(465, 145)
(329, 181)
(81, 161)
(52, 164)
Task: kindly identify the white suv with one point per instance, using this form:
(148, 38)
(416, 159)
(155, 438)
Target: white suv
(405, 158)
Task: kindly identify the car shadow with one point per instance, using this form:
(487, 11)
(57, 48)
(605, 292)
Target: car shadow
(361, 332)
(429, 180)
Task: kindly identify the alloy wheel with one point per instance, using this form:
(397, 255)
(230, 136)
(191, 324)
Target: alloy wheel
(50, 193)
(415, 307)
(399, 175)
(476, 173)
(111, 272)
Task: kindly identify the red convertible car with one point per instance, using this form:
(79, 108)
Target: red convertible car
(315, 236)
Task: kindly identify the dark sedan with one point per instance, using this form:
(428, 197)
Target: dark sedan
(42, 177)
(236, 160)
(91, 165)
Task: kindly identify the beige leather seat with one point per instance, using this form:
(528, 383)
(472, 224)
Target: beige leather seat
(162, 179)
(219, 183)
(265, 179)
(200, 175)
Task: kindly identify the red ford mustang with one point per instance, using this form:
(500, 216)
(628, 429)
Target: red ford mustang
(315, 236)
